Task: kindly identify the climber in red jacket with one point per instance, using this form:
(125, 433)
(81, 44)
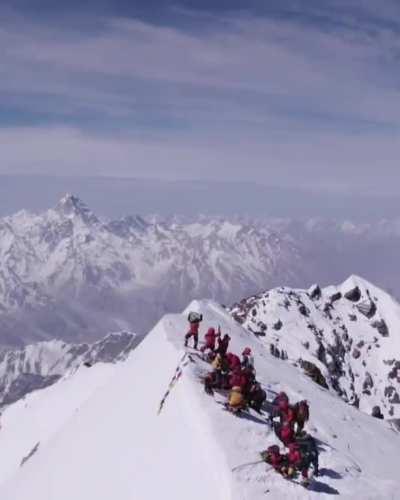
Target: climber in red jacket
(210, 338)
(298, 462)
(237, 379)
(273, 456)
(233, 361)
(194, 324)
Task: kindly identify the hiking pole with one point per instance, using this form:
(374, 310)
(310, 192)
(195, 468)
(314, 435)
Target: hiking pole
(238, 467)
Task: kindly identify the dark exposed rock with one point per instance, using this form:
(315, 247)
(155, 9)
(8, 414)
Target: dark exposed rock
(314, 292)
(376, 412)
(321, 353)
(303, 310)
(278, 325)
(367, 308)
(335, 297)
(356, 353)
(327, 310)
(389, 361)
(274, 351)
(395, 423)
(360, 344)
(259, 334)
(314, 373)
(382, 327)
(354, 294)
(395, 399)
(368, 382)
(306, 345)
(352, 317)
(389, 391)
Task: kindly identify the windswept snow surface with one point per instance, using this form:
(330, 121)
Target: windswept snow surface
(35, 419)
(116, 446)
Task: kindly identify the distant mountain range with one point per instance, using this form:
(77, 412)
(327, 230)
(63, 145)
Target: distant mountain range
(69, 275)
(39, 365)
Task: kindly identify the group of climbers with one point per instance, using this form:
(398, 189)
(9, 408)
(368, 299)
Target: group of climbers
(289, 429)
(229, 371)
(238, 376)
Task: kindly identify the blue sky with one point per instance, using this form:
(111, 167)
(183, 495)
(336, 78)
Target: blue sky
(287, 93)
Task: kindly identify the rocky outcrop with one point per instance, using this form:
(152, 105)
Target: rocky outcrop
(367, 307)
(381, 326)
(344, 340)
(335, 297)
(314, 292)
(354, 295)
(368, 382)
(311, 370)
(376, 412)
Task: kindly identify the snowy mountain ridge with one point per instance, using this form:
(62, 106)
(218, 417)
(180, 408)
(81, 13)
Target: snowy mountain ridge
(345, 337)
(67, 271)
(137, 454)
(39, 365)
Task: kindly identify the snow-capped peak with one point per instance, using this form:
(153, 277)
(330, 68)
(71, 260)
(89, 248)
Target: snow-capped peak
(345, 337)
(71, 206)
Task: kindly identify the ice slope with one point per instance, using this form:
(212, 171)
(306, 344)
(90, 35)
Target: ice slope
(116, 446)
(351, 332)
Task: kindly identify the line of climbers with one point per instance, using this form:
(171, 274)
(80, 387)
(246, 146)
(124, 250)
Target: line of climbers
(238, 376)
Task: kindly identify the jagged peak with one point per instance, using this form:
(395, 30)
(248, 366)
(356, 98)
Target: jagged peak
(72, 206)
(125, 226)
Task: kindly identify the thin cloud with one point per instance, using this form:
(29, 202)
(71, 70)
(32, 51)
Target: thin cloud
(265, 98)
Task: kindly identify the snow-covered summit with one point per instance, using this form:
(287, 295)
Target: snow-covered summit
(346, 337)
(71, 206)
(116, 445)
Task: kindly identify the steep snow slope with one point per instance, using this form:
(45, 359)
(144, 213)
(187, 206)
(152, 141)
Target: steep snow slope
(350, 332)
(117, 446)
(39, 365)
(30, 423)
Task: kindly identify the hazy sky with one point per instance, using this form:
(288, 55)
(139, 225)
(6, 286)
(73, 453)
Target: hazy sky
(292, 93)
